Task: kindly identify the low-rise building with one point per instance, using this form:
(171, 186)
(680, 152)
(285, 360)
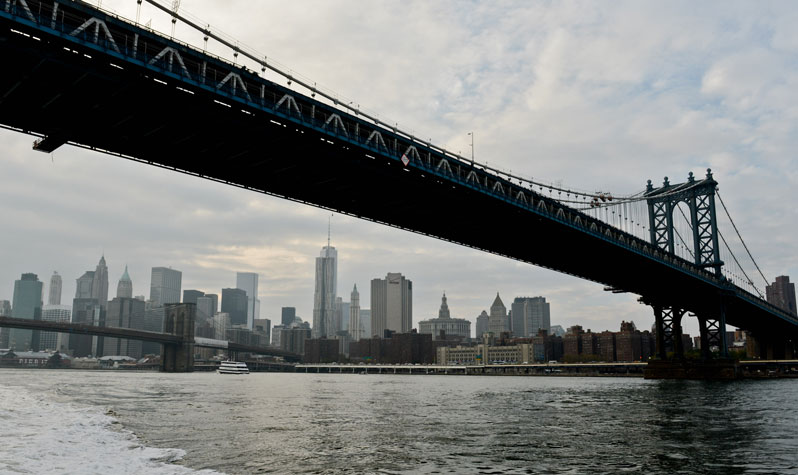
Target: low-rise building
(400, 348)
(321, 350)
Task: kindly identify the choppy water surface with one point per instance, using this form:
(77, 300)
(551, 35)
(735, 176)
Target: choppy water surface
(118, 422)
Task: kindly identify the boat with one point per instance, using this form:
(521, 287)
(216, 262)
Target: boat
(233, 367)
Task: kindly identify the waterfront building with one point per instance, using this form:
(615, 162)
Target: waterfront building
(321, 350)
(482, 324)
(165, 286)
(497, 321)
(248, 282)
(54, 297)
(99, 285)
(538, 349)
(589, 344)
(605, 346)
(234, 303)
(572, 342)
(124, 289)
(355, 332)
(547, 347)
(324, 295)
(27, 304)
(781, 293)
(484, 353)
(400, 348)
(458, 327)
(55, 341)
(391, 304)
(287, 315)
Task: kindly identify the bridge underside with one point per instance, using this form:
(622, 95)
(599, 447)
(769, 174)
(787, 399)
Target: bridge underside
(50, 91)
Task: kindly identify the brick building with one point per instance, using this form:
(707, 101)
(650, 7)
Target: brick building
(321, 350)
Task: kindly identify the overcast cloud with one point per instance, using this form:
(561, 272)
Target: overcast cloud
(600, 95)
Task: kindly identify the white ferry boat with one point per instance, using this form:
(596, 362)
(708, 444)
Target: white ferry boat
(233, 367)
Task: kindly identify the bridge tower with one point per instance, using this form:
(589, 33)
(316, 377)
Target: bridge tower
(179, 320)
(699, 195)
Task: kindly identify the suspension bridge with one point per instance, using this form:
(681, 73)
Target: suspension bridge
(76, 74)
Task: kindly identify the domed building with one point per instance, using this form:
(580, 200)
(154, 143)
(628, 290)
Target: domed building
(459, 327)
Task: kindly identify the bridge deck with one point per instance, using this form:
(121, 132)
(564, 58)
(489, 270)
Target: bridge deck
(132, 334)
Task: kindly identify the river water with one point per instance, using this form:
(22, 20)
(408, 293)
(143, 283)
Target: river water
(108, 422)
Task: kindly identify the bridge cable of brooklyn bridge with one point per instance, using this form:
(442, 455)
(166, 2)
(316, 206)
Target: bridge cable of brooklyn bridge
(76, 74)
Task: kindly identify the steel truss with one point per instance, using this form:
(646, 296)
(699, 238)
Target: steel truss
(700, 197)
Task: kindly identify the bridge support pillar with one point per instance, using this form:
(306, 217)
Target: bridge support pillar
(179, 320)
(668, 324)
(704, 333)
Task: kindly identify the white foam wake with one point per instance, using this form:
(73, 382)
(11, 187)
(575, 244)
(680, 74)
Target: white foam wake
(40, 435)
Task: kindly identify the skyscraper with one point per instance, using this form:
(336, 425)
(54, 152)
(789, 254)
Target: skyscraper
(191, 296)
(391, 304)
(55, 290)
(355, 332)
(530, 315)
(99, 286)
(85, 309)
(84, 284)
(206, 307)
(782, 294)
(124, 312)
(248, 282)
(341, 315)
(482, 324)
(234, 303)
(54, 313)
(497, 321)
(287, 316)
(165, 286)
(325, 293)
(124, 289)
(27, 304)
(214, 302)
(365, 323)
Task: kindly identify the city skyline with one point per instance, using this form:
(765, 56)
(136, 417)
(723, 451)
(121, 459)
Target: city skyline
(660, 110)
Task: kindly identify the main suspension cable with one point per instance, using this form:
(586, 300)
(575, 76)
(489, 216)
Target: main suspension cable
(767, 282)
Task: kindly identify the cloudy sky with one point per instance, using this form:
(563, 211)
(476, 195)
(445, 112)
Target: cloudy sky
(597, 95)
